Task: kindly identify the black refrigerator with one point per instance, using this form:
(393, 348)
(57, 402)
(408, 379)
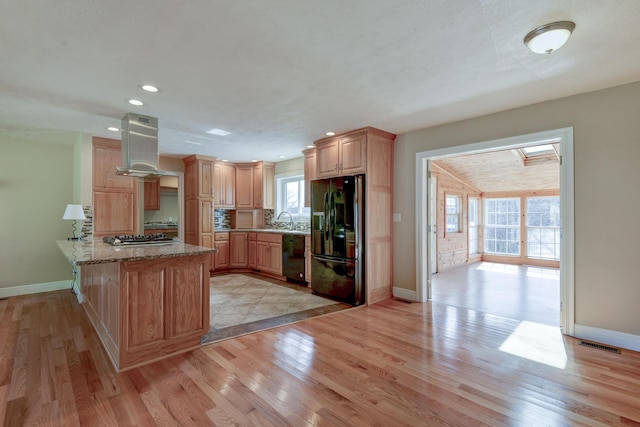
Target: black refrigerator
(337, 234)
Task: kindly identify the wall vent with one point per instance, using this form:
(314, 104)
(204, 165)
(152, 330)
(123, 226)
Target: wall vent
(600, 346)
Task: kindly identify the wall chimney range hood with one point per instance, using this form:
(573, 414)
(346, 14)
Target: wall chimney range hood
(140, 147)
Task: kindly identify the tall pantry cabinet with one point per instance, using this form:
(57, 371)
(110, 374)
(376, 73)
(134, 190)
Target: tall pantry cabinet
(198, 201)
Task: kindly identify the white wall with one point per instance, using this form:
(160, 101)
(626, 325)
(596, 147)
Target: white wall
(606, 151)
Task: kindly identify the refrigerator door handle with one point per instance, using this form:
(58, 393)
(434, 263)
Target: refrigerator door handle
(333, 260)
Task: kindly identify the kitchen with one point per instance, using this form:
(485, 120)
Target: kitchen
(228, 212)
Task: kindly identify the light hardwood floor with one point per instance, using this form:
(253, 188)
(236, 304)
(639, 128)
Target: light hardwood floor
(393, 363)
(514, 291)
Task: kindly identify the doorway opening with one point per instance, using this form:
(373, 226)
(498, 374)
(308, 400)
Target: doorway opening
(425, 219)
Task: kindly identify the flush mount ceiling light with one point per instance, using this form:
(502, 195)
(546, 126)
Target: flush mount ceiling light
(220, 132)
(135, 102)
(547, 38)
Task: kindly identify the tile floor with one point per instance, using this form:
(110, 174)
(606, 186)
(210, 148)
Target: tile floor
(245, 303)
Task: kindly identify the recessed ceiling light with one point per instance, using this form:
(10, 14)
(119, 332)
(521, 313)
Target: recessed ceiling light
(113, 129)
(135, 102)
(330, 133)
(282, 156)
(194, 143)
(254, 161)
(149, 88)
(220, 132)
(225, 160)
(311, 146)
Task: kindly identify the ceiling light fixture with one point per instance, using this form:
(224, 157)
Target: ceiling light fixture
(135, 102)
(282, 157)
(330, 133)
(149, 88)
(254, 161)
(113, 129)
(311, 146)
(220, 132)
(547, 38)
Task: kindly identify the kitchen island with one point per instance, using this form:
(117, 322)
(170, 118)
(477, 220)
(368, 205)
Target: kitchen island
(146, 302)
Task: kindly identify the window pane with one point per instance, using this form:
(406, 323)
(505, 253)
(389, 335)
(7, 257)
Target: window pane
(502, 226)
(543, 227)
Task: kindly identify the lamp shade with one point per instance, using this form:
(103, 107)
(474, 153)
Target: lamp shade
(549, 37)
(74, 212)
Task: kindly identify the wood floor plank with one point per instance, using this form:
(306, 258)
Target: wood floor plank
(389, 364)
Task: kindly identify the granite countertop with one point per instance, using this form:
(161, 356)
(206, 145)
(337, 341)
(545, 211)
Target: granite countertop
(263, 230)
(97, 252)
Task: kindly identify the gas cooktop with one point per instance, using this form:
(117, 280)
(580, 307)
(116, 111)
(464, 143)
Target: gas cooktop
(140, 239)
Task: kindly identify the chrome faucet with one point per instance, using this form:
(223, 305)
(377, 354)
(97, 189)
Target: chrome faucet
(290, 218)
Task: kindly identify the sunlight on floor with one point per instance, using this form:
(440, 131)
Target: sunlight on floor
(537, 342)
(543, 273)
(502, 268)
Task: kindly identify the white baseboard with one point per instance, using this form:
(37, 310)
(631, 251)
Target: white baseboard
(605, 336)
(13, 291)
(405, 294)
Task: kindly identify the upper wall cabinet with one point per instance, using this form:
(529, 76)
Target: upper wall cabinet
(264, 185)
(244, 186)
(151, 194)
(114, 197)
(224, 179)
(309, 174)
(342, 155)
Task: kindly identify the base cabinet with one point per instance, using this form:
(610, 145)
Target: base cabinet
(239, 250)
(150, 309)
(221, 258)
(269, 253)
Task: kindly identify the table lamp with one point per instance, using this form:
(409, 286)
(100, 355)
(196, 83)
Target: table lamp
(74, 212)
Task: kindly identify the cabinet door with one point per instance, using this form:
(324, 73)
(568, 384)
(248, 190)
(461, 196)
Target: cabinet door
(257, 186)
(263, 256)
(107, 157)
(151, 194)
(352, 154)
(307, 259)
(221, 258)
(327, 158)
(268, 186)
(252, 254)
(275, 258)
(229, 186)
(309, 174)
(205, 178)
(239, 250)
(244, 187)
(114, 213)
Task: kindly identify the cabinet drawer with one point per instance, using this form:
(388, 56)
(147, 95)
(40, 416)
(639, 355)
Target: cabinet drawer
(269, 237)
(222, 236)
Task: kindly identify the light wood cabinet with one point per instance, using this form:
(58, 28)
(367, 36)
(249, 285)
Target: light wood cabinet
(224, 181)
(264, 185)
(198, 202)
(239, 249)
(115, 198)
(151, 194)
(244, 186)
(221, 258)
(269, 253)
(150, 309)
(341, 155)
(307, 259)
(252, 250)
(309, 173)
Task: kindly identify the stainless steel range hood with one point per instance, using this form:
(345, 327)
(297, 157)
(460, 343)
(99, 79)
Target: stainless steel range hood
(140, 147)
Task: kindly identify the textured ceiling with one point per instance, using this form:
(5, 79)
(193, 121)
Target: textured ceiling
(279, 74)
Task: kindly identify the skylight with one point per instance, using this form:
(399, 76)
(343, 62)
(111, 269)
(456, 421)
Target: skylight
(537, 150)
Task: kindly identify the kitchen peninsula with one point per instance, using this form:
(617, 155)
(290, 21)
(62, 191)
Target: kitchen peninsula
(146, 302)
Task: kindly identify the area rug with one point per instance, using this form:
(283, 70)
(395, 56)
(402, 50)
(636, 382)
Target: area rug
(246, 303)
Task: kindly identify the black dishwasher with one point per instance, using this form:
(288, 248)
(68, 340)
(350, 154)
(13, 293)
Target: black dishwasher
(293, 257)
